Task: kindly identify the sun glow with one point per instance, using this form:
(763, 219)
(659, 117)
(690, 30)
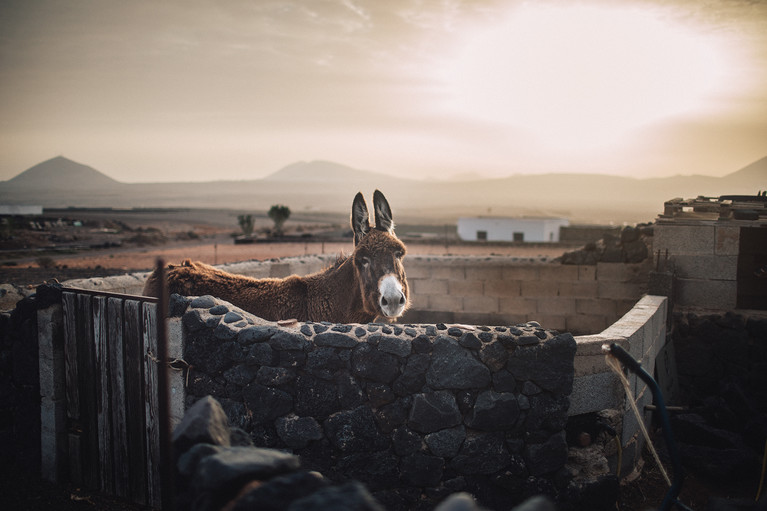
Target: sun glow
(577, 76)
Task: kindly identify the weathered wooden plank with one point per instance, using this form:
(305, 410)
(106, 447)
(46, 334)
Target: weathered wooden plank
(75, 461)
(134, 393)
(101, 342)
(88, 382)
(152, 415)
(69, 302)
(115, 325)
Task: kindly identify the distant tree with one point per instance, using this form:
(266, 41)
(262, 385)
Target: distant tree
(279, 213)
(246, 224)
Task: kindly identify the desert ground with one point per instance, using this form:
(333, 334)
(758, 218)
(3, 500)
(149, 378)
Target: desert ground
(90, 243)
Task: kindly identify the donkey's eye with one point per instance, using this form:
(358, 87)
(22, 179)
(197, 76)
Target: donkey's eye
(364, 261)
(398, 254)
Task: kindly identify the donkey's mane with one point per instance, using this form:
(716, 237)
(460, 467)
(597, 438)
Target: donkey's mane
(340, 259)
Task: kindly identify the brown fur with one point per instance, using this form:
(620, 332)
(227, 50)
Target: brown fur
(346, 292)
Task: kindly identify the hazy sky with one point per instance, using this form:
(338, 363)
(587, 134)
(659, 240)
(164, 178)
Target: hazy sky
(236, 89)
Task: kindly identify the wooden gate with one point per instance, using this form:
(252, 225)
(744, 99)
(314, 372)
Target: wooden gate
(110, 347)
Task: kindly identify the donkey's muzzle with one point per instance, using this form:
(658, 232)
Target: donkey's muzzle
(392, 301)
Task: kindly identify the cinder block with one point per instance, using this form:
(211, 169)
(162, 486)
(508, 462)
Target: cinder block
(557, 305)
(518, 305)
(708, 267)
(707, 294)
(624, 306)
(449, 303)
(683, 239)
(579, 289)
(428, 287)
(486, 304)
(539, 289)
(587, 272)
(522, 273)
(596, 306)
(465, 287)
(448, 272)
(551, 321)
(620, 290)
(583, 324)
(613, 272)
(502, 288)
(479, 318)
(727, 241)
(417, 270)
(595, 392)
(424, 316)
(419, 301)
(558, 272)
(481, 272)
(280, 270)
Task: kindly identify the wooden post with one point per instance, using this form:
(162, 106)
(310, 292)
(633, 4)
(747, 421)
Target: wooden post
(152, 366)
(163, 388)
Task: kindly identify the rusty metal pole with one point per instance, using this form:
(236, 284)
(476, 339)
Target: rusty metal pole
(163, 390)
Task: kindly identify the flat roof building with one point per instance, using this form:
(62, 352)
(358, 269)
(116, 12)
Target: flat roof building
(531, 229)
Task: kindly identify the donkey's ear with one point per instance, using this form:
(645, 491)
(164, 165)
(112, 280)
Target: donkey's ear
(360, 218)
(384, 221)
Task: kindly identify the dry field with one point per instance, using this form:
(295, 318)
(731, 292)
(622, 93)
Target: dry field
(100, 243)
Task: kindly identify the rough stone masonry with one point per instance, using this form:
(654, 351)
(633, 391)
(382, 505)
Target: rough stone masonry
(414, 412)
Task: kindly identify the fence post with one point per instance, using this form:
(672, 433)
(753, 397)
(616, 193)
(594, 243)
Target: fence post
(53, 404)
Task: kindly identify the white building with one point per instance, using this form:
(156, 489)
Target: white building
(510, 229)
(20, 210)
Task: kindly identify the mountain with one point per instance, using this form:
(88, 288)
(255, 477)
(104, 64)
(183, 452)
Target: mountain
(756, 171)
(325, 172)
(61, 173)
(322, 186)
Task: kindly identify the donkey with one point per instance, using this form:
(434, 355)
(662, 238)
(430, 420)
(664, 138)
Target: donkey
(369, 283)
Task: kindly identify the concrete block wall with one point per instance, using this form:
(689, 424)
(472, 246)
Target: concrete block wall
(642, 333)
(704, 255)
(503, 291)
(477, 290)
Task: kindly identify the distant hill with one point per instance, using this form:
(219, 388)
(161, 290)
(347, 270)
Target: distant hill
(326, 172)
(61, 173)
(321, 186)
(756, 171)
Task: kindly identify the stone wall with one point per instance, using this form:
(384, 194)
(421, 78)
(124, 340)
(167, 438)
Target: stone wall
(493, 290)
(468, 377)
(415, 412)
(715, 348)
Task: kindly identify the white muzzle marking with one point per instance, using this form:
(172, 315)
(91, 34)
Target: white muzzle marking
(392, 300)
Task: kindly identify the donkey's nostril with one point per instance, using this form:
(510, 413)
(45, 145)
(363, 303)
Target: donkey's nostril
(383, 301)
(402, 300)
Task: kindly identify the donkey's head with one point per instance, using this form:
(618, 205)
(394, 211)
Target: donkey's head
(377, 259)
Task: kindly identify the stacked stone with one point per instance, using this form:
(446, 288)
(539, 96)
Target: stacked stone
(633, 245)
(415, 412)
(217, 467)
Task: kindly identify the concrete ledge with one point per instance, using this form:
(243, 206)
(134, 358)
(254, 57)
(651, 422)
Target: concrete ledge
(641, 332)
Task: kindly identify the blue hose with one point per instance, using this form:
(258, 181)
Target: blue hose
(676, 484)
